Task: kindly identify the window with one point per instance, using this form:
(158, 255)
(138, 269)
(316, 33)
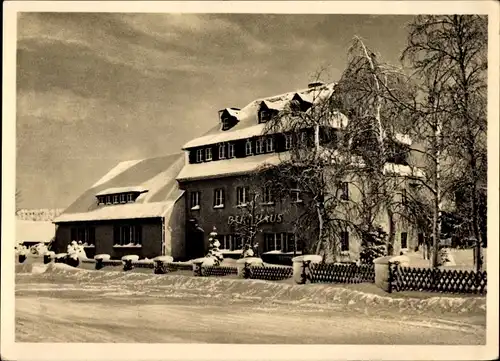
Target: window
(264, 115)
(248, 147)
(284, 242)
(208, 154)
(288, 141)
(225, 242)
(84, 235)
(226, 123)
(268, 196)
(295, 193)
(127, 235)
(259, 146)
(199, 155)
(230, 150)
(130, 197)
(195, 200)
(344, 241)
(100, 200)
(230, 242)
(270, 144)
(344, 191)
(115, 199)
(404, 240)
(222, 151)
(242, 196)
(219, 198)
(303, 137)
(122, 198)
(108, 199)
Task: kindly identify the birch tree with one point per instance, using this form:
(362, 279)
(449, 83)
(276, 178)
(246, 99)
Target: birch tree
(450, 54)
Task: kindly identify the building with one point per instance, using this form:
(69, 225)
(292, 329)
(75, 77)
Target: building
(136, 208)
(30, 233)
(217, 179)
(169, 205)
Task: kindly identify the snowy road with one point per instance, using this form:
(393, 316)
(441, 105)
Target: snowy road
(84, 307)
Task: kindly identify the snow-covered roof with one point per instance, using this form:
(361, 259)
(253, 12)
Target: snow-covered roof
(34, 231)
(117, 190)
(248, 125)
(233, 112)
(120, 211)
(403, 170)
(230, 167)
(157, 175)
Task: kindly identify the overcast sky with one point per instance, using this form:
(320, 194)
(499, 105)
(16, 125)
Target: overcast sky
(97, 89)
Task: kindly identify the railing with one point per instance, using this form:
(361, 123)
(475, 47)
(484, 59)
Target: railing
(218, 271)
(437, 280)
(341, 273)
(270, 273)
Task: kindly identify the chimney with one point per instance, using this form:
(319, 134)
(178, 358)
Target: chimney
(315, 84)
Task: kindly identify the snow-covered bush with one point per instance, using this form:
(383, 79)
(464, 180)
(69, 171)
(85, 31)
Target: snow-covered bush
(374, 245)
(76, 251)
(39, 249)
(60, 257)
(213, 250)
(247, 251)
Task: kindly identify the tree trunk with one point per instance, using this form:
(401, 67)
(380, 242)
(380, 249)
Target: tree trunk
(392, 231)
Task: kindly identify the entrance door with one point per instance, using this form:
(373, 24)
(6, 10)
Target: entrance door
(195, 244)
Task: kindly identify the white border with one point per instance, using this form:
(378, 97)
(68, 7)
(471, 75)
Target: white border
(27, 351)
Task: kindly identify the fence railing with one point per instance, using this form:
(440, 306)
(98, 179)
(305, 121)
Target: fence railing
(270, 273)
(341, 273)
(218, 271)
(437, 280)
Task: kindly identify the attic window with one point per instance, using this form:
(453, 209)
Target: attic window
(265, 115)
(226, 123)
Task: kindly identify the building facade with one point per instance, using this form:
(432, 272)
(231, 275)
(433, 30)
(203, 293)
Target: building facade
(136, 208)
(218, 180)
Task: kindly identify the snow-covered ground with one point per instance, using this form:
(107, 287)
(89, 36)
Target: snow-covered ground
(59, 303)
(464, 259)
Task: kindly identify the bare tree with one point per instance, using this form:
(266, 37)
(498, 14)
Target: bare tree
(449, 54)
(366, 94)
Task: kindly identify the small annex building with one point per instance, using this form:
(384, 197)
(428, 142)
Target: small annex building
(136, 208)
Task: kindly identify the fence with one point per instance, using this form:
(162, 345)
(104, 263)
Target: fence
(270, 273)
(218, 271)
(436, 280)
(341, 273)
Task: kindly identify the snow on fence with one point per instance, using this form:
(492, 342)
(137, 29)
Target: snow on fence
(218, 271)
(342, 273)
(271, 273)
(436, 280)
(111, 262)
(172, 267)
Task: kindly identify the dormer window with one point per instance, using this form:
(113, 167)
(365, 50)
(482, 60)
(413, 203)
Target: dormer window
(108, 199)
(228, 117)
(130, 198)
(259, 146)
(270, 144)
(265, 113)
(222, 151)
(288, 141)
(115, 199)
(123, 198)
(248, 147)
(208, 154)
(230, 150)
(199, 155)
(226, 123)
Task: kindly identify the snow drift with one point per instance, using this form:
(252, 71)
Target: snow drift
(309, 296)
